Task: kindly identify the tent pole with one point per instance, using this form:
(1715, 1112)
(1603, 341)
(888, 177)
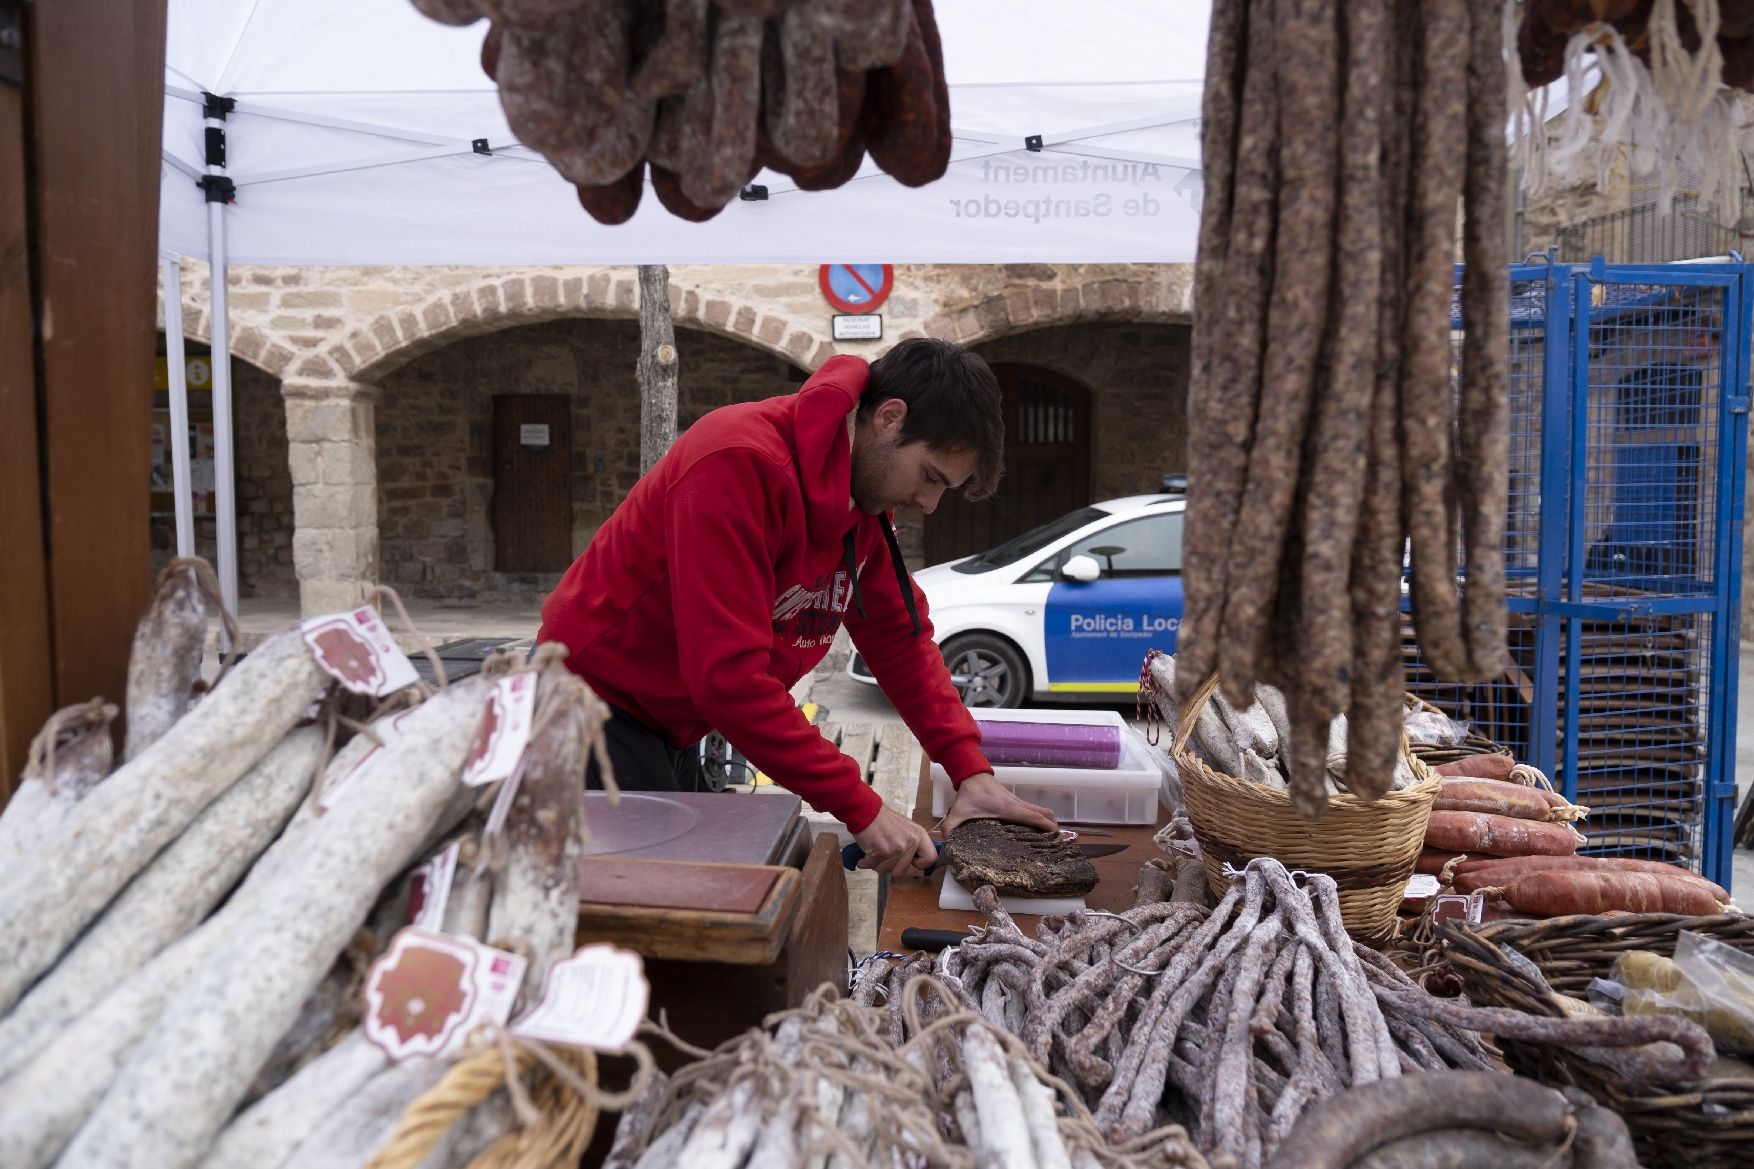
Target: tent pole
(224, 487)
(178, 370)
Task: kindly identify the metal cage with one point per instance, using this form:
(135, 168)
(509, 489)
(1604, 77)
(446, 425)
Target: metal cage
(1623, 546)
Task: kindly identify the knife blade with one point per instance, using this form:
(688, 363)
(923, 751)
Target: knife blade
(1092, 851)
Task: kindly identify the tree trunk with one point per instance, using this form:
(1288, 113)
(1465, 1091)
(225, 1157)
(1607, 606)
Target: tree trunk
(657, 366)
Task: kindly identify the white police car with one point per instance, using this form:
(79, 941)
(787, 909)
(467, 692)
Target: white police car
(1064, 612)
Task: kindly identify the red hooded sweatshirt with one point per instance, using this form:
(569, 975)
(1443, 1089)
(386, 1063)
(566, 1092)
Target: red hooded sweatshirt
(721, 579)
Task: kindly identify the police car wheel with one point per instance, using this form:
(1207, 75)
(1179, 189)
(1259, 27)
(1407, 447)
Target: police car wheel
(987, 671)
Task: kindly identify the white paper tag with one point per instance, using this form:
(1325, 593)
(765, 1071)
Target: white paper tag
(1420, 886)
(356, 649)
(505, 731)
(596, 999)
(429, 889)
(431, 994)
(387, 730)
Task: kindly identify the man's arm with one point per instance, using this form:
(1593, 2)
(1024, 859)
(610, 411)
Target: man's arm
(911, 672)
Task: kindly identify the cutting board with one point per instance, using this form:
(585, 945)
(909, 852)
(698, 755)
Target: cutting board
(719, 827)
(954, 896)
(689, 910)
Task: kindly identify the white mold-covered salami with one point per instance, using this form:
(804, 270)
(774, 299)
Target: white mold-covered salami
(168, 899)
(70, 756)
(182, 1083)
(165, 660)
(123, 823)
(536, 896)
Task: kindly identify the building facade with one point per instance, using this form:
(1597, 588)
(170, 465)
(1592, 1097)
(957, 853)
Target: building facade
(460, 433)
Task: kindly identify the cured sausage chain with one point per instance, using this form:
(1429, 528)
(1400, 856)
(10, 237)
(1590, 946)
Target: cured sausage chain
(702, 94)
(918, 1080)
(1325, 432)
(187, 939)
(1239, 1022)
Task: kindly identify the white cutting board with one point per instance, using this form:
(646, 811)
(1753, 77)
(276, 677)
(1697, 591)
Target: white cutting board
(954, 896)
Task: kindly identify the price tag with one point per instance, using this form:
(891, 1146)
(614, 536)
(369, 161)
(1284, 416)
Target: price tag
(1420, 886)
(432, 994)
(505, 731)
(596, 999)
(356, 649)
(1469, 907)
(429, 889)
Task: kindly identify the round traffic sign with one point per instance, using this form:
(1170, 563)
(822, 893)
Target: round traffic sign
(856, 288)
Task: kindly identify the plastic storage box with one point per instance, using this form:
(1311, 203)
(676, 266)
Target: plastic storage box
(1125, 795)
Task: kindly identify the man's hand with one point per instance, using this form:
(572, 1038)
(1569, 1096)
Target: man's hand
(982, 796)
(895, 845)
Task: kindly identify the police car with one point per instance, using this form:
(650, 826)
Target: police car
(1063, 612)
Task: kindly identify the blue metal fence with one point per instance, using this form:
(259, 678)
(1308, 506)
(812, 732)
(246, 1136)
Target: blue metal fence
(1628, 454)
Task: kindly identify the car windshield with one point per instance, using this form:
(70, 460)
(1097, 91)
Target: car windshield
(1030, 542)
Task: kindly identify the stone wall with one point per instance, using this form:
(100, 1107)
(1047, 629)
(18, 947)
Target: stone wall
(263, 483)
(434, 433)
(1138, 375)
(338, 338)
(264, 486)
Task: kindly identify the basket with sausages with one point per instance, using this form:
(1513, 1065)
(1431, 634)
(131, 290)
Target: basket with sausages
(1497, 828)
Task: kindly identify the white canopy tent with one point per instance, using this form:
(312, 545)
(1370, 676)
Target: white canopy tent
(358, 132)
(351, 143)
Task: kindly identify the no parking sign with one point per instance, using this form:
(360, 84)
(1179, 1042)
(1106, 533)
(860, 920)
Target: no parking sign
(856, 288)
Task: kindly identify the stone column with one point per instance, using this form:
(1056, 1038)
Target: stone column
(332, 449)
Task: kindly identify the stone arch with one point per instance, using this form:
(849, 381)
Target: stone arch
(1165, 296)
(397, 336)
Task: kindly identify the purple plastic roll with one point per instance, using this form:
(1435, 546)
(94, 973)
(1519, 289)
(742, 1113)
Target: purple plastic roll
(1029, 744)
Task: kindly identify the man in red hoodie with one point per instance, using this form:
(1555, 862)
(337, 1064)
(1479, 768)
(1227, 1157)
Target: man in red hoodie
(722, 578)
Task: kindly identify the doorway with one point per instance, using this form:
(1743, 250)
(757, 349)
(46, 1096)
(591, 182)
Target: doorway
(1047, 465)
(532, 482)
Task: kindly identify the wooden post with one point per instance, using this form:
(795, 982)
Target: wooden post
(26, 686)
(657, 370)
(76, 283)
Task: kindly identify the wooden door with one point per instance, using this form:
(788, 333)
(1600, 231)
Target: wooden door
(1047, 466)
(532, 482)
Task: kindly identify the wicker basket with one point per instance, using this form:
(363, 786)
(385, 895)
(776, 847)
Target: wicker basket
(1703, 1126)
(1433, 755)
(1369, 847)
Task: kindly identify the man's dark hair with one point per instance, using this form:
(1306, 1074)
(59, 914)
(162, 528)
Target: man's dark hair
(953, 403)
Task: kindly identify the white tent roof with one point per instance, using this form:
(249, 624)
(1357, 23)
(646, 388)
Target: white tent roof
(350, 144)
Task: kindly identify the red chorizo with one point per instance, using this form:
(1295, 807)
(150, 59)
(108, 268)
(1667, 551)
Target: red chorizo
(677, 55)
(906, 117)
(1476, 832)
(1499, 798)
(613, 203)
(453, 12)
(1480, 767)
(1556, 894)
(1433, 860)
(1482, 872)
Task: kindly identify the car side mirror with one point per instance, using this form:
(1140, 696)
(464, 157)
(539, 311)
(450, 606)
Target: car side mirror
(1082, 569)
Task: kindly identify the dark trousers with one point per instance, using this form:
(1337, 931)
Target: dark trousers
(643, 760)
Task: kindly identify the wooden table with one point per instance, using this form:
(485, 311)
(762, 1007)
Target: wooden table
(913, 902)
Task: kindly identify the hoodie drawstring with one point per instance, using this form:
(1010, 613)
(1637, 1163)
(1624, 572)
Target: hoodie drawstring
(901, 576)
(852, 567)
(895, 560)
